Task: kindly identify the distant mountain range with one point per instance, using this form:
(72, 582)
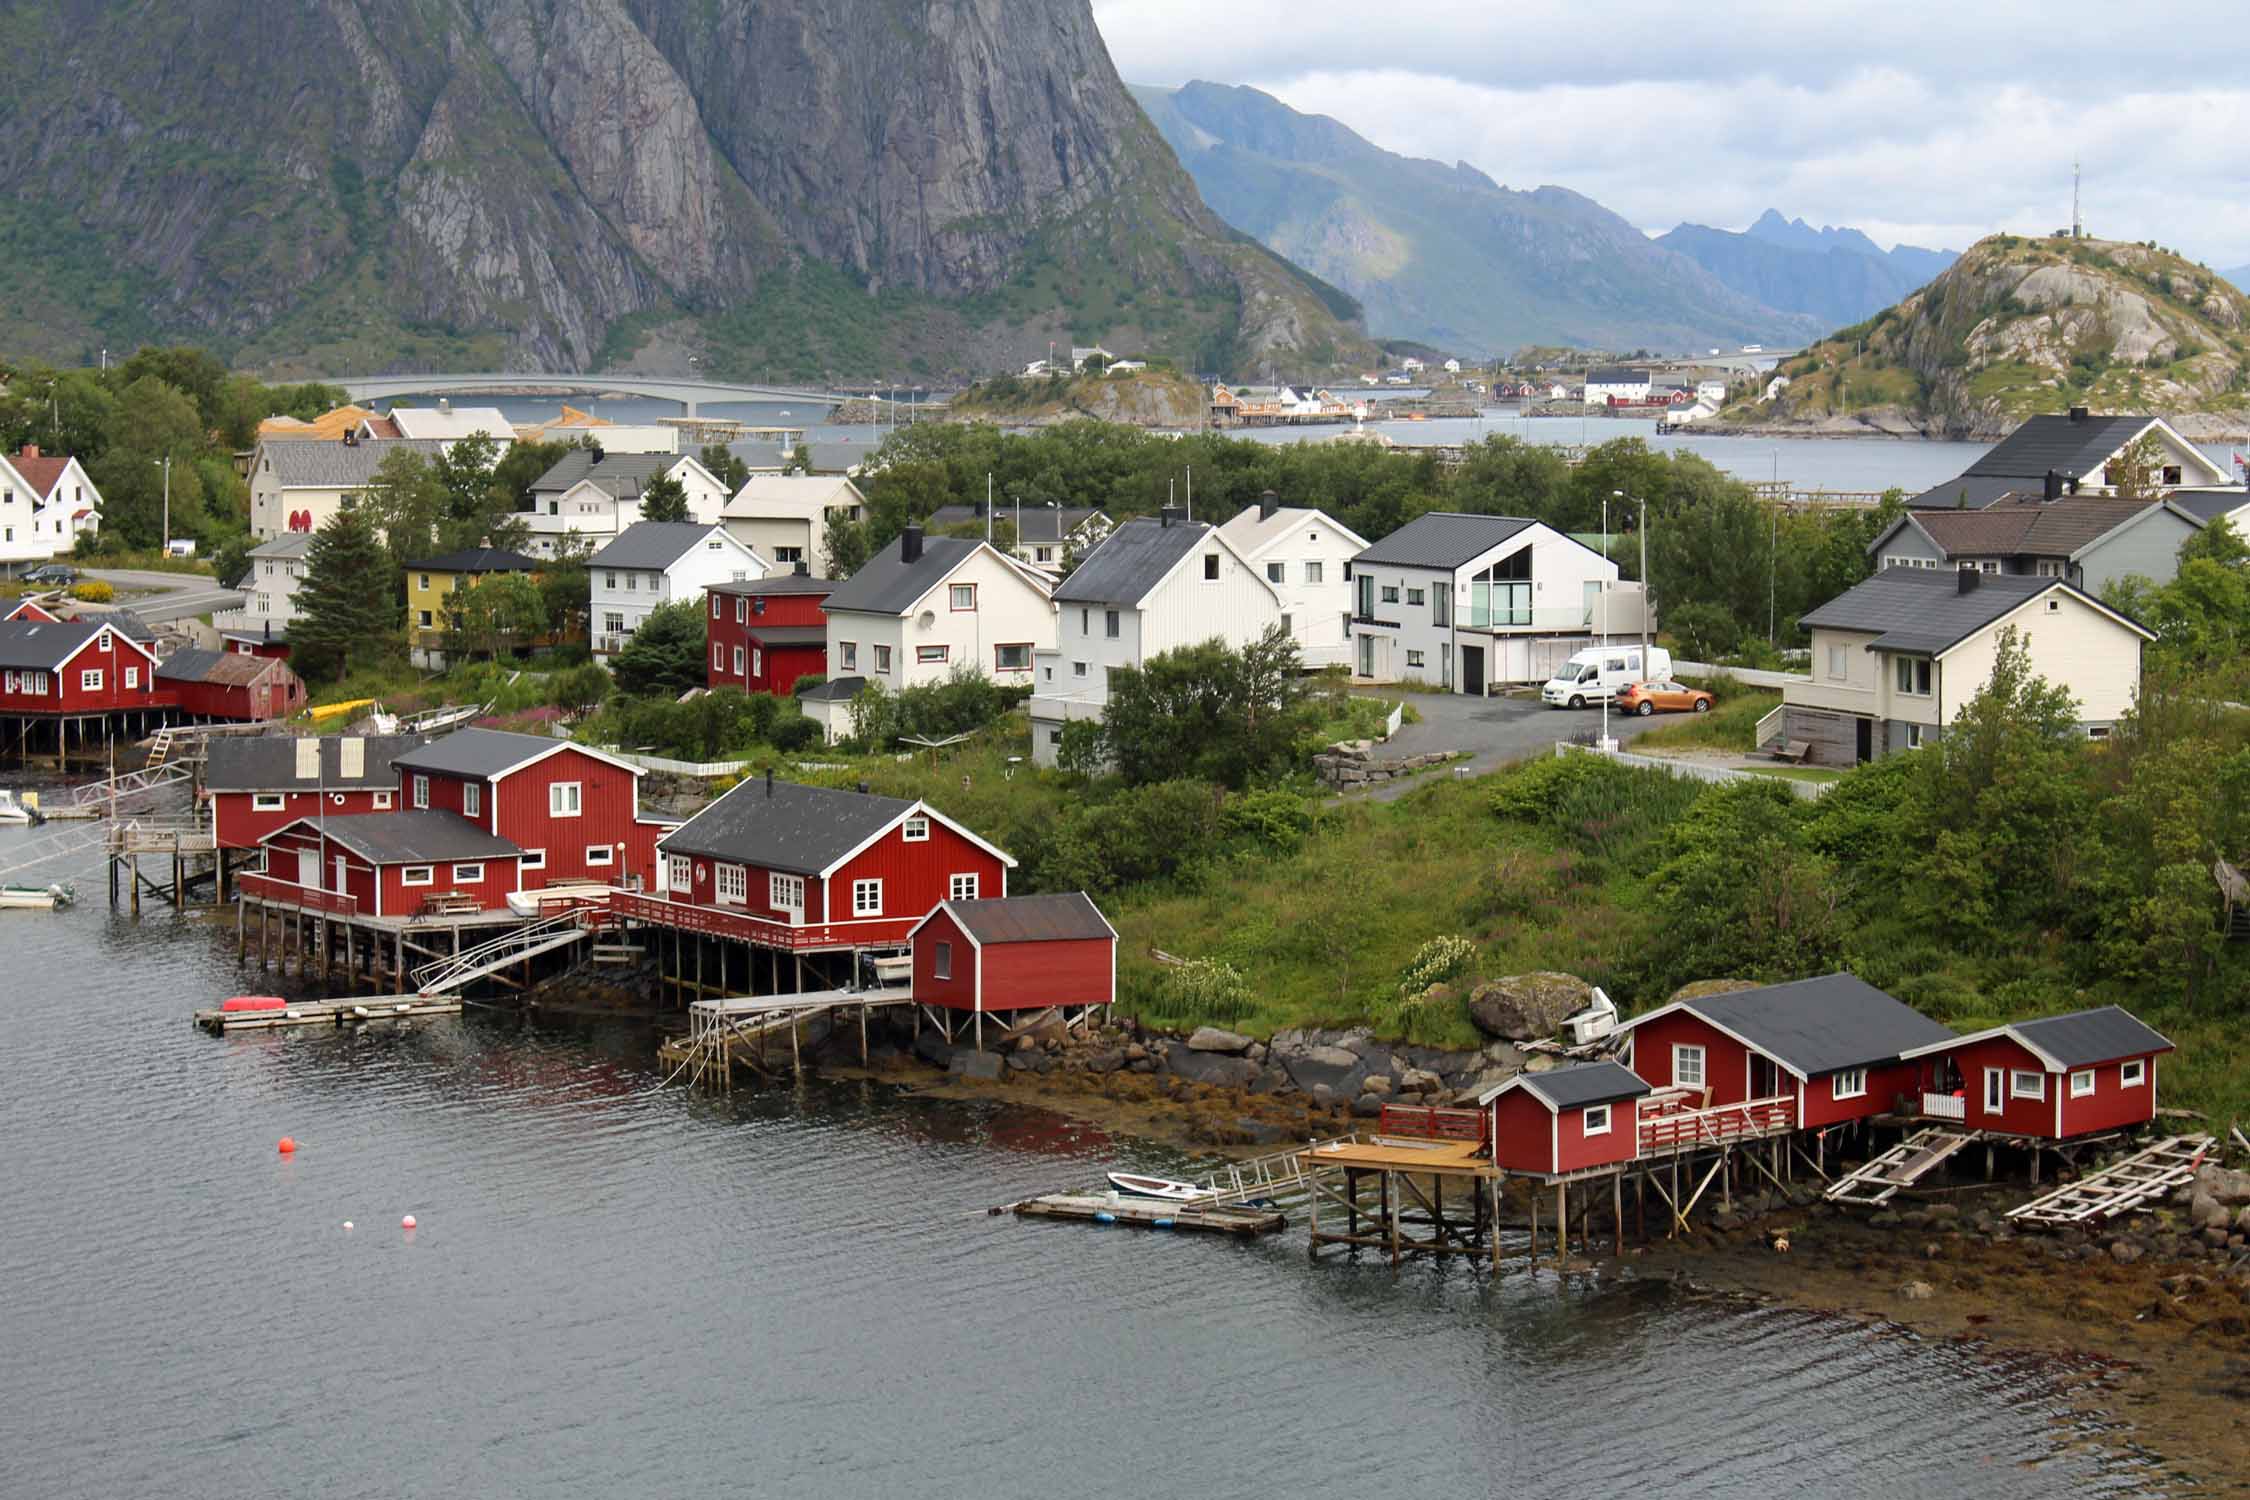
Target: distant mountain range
(1836, 275)
(1443, 255)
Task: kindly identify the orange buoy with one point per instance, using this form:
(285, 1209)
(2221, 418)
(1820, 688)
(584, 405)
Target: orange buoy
(407, 1222)
(288, 1145)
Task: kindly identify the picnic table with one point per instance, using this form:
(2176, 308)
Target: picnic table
(450, 904)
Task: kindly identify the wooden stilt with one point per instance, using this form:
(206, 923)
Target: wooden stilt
(1391, 1199)
(1617, 1211)
(1562, 1222)
(1534, 1196)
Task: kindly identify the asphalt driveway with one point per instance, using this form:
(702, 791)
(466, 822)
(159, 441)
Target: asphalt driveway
(1494, 731)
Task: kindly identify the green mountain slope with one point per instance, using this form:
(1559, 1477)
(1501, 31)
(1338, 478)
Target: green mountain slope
(1444, 255)
(2021, 326)
(340, 187)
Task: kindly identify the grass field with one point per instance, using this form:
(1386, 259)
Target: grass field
(1732, 724)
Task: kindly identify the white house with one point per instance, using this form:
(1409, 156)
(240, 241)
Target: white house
(1307, 556)
(297, 484)
(1895, 657)
(1453, 367)
(656, 562)
(1154, 586)
(269, 594)
(446, 422)
(1617, 383)
(2079, 452)
(785, 516)
(1412, 365)
(46, 505)
(597, 497)
(1470, 602)
(1045, 534)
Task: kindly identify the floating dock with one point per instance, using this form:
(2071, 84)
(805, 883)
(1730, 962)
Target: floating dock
(330, 1013)
(1149, 1213)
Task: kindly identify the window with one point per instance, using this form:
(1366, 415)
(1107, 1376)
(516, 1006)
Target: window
(472, 798)
(730, 885)
(2025, 1084)
(422, 618)
(632, 583)
(268, 802)
(718, 658)
(1312, 572)
(132, 677)
(468, 874)
(941, 965)
(1914, 676)
(1210, 567)
(1054, 737)
(1913, 736)
(382, 801)
(847, 655)
(2132, 1075)
(1415, 658)
(788, 557)
(882, 658)
(416, 875)
(785, 892)
(426, 581)
(1012, 658)
(961, 888)
(1597, 1119)
(1988, 566)
(738, 616)
(533, 859)
(1414, 596)
(1085, 618)
(1077, 669)
(603, 854)
(1839, 663)
(1045, 554)
(564, 799)
(916, 829)
(613, 622)
(1277, 572)
(679, 872)
(962, 596)
(867, 898)
(2054, 606)
(1849, 1084)
(2081, 1083)
(2172, 474)
(1687, 1066)
(2050, 568)
(1110, 623)
(718, 607)
(1288, 627)
(933, 655)
(1390, 593)
(1441, 606)
(420, 787)
(91, 681)
(738, 661)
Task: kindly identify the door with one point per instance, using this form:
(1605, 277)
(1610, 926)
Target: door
(338, 887)
(1472, 670)
(1866, 746)
(1366, 656)
(1995, 1087)
(308, 869)
(1765, 1078)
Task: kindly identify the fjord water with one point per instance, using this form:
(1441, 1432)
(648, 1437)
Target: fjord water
(622, 1289)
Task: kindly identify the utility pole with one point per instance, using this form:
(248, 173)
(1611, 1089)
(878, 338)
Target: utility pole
(165, 463)
(1644, 581)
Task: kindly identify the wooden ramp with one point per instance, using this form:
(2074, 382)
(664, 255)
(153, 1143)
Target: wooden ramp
(722, 1033)
(1902, 1166)
(2121, 1187)
(511, 947)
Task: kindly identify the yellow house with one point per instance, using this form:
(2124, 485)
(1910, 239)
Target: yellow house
(429, 582)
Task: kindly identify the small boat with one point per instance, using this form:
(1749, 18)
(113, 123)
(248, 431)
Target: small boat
(35, 897)
(1156, 1187)
(14, 810)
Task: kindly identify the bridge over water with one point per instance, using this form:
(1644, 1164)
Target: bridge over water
(691, 394)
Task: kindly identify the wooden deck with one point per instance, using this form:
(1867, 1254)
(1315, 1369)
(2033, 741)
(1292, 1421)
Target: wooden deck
(1904, 1165)
(328, 1013)
(2121, 1187)
(1395, 1154)
(1149, 1213)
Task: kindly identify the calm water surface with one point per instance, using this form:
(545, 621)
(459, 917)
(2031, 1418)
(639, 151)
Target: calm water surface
(619, 1289)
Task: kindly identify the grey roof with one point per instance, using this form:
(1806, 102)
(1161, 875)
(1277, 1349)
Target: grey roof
(787, 635)
(2208, 505)
(1585, 1083)
(1442, 539)
(288, 544)
(477, 560)
(268, 762)
(1923, 610)
(1064, 917)
(622, 475)
(2072, 448)
(478, 752)
(42, 645)
(1040, 525)
(412, 837)
(125, 623)
(304, 463)
(1816, 1026)
(2086, 1037)
(834, 690)
(1131, 561)
(779, 583)
(886, 586)
(1617, 375)
(226, 668)
(785, 825)
(654, 545)
(1966, 492)
(2018, 525)
(827, 458)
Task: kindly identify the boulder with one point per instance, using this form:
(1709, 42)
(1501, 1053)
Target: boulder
(933, 1048)
(1136, 1053)
(1106, 1059)
(2228, 1187)
(1541, 1062)
(980, 1065)
(2205, 1211)
(1212, 1039)
(1319, 1066)
(1020, 1061)
(1420, 1081)
(1367, 1107)
(1917, 1291)
(1376, 1084)
(1526, 1006)
(2242, 1222)
(1215, 1068)
(1323, 1095)
(1256, 1052)
(1697, 989)
(2124, 1252)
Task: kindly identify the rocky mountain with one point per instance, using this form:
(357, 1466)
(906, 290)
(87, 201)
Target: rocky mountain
(2020, 326)
(1443, 255)
(1836, 275)
(788, 186)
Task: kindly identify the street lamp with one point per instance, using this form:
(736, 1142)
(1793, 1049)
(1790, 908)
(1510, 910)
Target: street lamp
(165, 463)
(1622, 496)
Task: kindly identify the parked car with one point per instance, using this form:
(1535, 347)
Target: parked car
(51, 573)
(1662, 697)
(1599, 673)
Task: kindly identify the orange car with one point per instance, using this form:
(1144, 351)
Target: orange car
(1667, 697)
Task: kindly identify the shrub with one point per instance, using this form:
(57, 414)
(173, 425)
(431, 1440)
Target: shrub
(793, 731)
(93, 591)
(1203, 989)
(1439, 959)
(1274, 818)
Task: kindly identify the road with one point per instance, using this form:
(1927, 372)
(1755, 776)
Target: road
(183, 595)
(1495, 731)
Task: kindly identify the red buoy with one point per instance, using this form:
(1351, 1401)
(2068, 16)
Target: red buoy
(288, 1145)
(254, 1002)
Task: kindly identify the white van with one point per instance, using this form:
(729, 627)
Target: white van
(1594, 676)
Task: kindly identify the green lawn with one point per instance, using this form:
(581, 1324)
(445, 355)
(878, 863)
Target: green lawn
(1732, 724)
(1796, 773)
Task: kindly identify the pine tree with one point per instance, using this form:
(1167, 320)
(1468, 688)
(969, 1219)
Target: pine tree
(347, 607)
(665, 499)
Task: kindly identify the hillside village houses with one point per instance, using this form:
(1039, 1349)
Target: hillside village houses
(1045, 534)
(764, 634)
(269, 598)
(46, 504)
(2079, 449)
(784, 517)
(656, 562)
(1307, 556)
(595, 496)
(431, 580)
(2090, 540)
(1152, 587)
(299, 484)
(1471, 602)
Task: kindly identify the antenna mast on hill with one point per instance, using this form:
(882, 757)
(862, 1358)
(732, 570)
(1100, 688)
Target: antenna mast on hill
(2077, 225)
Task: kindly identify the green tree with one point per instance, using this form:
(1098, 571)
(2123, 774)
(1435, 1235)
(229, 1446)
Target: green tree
(844, 544)
(568, 587)
(725, 466)
(478, 511)
(664, 498)
(1208, 712)
(403, 503)
(1740, 895)
(524, 464)
(665, 656)
(348, 604)
(498, 612)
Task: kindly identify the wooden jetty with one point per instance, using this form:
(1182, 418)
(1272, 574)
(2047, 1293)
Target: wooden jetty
(744, 1031)
(330, 1013)
(1149, 1213)
(2120, 1187)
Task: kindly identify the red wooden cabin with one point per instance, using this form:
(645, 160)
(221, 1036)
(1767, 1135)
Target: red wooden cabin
(394, 864)
(763, 634)
(223, 685)
(1015, 953)
(810, 868)
(2049, 1079)
(574, 812)
(29, 611)
(1831, 1047)
(1569, 1119)
(66, 667)
(260, 783)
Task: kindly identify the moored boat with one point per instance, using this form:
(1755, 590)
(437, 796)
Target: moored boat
(35, 897)
(15, 810)
(1156, 1187)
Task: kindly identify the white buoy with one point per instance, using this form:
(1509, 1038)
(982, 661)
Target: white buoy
(347, 1224)
(360, 1011)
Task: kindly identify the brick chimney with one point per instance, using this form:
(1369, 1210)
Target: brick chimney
(910, 545)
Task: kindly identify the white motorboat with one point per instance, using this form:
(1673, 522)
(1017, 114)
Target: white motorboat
(35, 897)
(14, 810)
(1156, 1187)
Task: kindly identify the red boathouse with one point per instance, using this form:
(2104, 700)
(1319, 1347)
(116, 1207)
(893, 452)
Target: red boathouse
(573, 811)
(1016, 953)
(394, 864)
(207, 685)
(762, 634)
(260, 783)
(2050, 1079)
(1585, 1117)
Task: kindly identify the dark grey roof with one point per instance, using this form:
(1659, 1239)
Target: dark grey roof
(407, 838)
(2074, 449)
(2086, 1037)
(834, 690)
(1816, 1026)
(477, 560)
(1966, 492)
(194, 664)
(268, 762)
(42, 645)
(780, 583)
(1040, 525)
(128, 624)
(785, 825)
(309, 463)
(1442, 539)
(1064, 917)
(1923, 610)
(622, 475)
(1616, 375)
(654, 545)
(886, 586)
(1130, 561)
(1585, 1083)
(478, 752)
(787, 635)
(2208, 505)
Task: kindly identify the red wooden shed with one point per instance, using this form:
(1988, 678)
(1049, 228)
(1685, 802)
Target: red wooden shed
(574, 811)
(74, 667)
(1015, 953)
(1572, 1119)
(227, 685)
(2051, 1078)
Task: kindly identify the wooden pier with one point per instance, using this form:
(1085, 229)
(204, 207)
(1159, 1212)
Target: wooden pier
(743, 1032)
(1149, 1213)
(329, 1013)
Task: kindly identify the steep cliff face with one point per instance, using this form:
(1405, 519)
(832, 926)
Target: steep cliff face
(401, 181)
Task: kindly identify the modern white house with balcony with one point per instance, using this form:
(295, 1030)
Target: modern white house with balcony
(1471, 603)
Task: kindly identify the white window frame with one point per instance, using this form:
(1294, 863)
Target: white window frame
(847, 655)
(472, 799)
(407, 874)
(601, 854)
(90, 680)
(556, 799)
(2134, 1074)
(419, 786)
(1682, 1053)
(953, 597)
(932, 656)
(962, 886)
(916, 829)
(730, 884)
(1312, 571)
(1851, 1083)
(2082, 1084)
(532, 859)
(1277, 572)
(132, 677)
(269, 801)
(471, 873)
(2020, 1088)
(679, 872)
(1588, 1127)
(882, 658)
(785, 892)
(867, 898)
(382, 801)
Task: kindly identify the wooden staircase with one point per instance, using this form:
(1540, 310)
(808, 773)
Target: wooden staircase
(2121, 1187)
(1902, 1166)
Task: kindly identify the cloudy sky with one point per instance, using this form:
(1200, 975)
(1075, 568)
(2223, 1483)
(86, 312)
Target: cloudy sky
(1928, 123)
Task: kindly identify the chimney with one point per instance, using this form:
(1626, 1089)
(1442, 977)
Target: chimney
(1268, 503)
(1169, 515)
(863, 789)
(977, 508)
(30, 450)
(802, 570)
(445, 403)
(910, 545)
(769, 781)
(2078, 414)
(1970, 578)
(2054, 489)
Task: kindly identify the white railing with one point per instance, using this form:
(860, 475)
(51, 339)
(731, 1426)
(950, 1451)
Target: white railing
(1945, 1106)
(1770, 727)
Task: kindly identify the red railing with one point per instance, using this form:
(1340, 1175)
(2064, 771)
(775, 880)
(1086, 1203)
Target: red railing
(1430, 1122)
(748, 929)
(288, 892)
(1722, 1124)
